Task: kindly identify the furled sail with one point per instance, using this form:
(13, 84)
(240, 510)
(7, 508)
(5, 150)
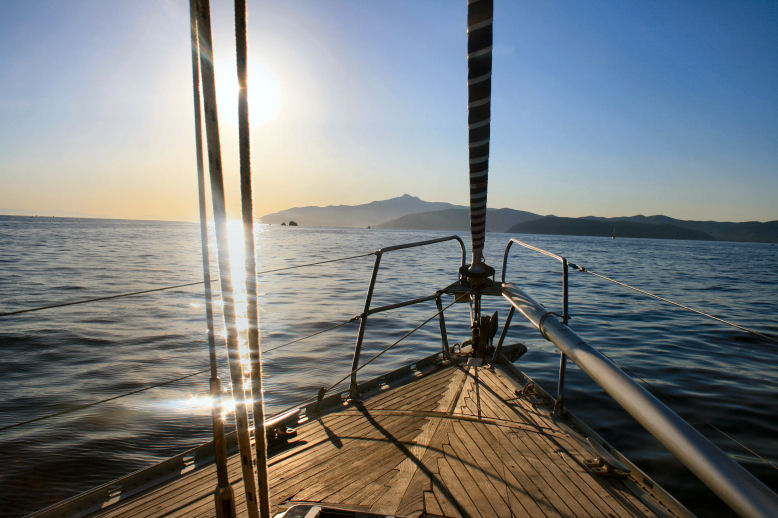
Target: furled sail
(479, 90)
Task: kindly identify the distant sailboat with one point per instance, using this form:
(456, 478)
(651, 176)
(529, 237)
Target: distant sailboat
(613, 233)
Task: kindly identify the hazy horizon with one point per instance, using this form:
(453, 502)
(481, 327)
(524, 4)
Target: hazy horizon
(258, 214)
(597, 108)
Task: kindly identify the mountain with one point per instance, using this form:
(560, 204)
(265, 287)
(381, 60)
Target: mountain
(766, 232)
(497, 220)
(410, 212)
(363, 215)
(597, 227)
(657, 227)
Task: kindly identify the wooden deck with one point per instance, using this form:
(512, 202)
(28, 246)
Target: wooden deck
(459, 440)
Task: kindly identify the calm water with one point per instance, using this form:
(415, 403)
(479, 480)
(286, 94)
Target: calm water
(55, 359)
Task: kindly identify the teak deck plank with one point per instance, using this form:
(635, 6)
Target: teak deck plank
(625, 503)
(456, 440)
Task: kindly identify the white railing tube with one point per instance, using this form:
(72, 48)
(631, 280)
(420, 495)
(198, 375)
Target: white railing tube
(742, 491)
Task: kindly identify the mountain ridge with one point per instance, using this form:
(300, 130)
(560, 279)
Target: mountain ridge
(620, 228)
(360, 216)
(497, 220)
(412, 213)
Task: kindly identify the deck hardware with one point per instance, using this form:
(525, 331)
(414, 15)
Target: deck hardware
(604, 463)
(477, 278)
(504, 332)
(527, 390)
(443, 332)
(113, 491)
(600, 467)
(188, 464)
(566, 265)
(559, 402)
(560, 387)
(280, 434)
(487, 328)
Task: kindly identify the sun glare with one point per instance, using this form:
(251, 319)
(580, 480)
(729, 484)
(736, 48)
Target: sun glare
(264, 92)
(237, 265)
(203, 403)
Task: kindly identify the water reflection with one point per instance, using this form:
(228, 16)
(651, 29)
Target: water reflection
(82, 353)
(203, 404)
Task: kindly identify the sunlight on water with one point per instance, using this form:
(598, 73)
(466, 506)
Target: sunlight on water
(238, 271)
(203, 404)
(83, 353)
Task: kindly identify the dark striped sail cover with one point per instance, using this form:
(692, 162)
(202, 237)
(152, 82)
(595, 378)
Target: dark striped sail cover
(479, 95)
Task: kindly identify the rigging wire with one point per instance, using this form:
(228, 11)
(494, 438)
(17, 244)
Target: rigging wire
(95, 403)
(315, 263)
(713, 426)
(336, 326)
(175, 286)
(159, 384)
(677, 304)
(324, 390)
(96, 299)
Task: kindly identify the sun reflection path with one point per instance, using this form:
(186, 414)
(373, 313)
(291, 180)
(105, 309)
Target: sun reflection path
(203, 404)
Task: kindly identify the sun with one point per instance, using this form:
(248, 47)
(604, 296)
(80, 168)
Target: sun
(264, 92)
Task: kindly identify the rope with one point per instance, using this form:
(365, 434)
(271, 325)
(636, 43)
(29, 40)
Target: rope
(247, 211)
(165, 288)
(677, 304)
(217, 424)
(240, 392)
(95, 403)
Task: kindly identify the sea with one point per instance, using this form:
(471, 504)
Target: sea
(720, 379)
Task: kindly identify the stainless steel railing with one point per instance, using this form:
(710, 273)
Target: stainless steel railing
(738, 488)
(565, 314)
(369, 297)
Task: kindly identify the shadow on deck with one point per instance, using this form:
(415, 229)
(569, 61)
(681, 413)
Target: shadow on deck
(458, 440)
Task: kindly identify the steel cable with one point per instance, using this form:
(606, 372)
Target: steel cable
(167, 382)
(677, 304)
(713, 426)
(336, 326)
(369, 361)
(175, 286)
(95, 403)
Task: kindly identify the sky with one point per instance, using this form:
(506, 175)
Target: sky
(598, 108)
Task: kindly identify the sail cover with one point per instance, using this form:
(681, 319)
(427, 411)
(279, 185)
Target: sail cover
(479, 90)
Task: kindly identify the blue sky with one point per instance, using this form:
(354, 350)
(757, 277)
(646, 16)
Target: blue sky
(604, 108)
